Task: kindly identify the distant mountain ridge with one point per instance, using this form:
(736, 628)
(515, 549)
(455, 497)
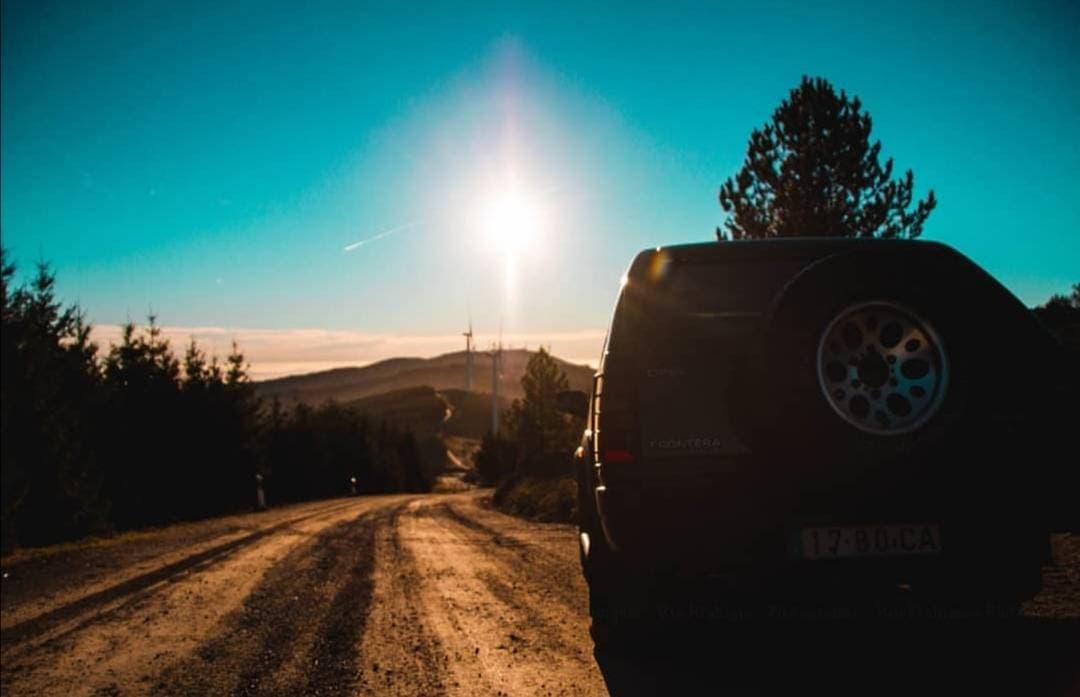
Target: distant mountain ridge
(426, 412)
(445, 372)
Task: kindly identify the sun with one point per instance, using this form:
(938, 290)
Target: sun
(511, 222)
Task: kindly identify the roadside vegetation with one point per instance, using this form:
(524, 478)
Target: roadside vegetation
(1061, 315)
(529, 462)
(97, 440)
(545, 499)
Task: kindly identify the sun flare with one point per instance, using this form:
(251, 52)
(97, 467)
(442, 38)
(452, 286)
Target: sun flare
(511, 222)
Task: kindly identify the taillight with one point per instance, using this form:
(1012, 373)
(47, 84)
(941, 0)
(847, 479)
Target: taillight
(610, 456)
(616, 437)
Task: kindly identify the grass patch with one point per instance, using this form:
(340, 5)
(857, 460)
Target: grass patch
(546, 499)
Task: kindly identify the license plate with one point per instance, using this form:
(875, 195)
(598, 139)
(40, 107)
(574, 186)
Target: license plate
(870, 541)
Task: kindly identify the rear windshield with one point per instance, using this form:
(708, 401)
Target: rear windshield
(739, 287)
(670, 307)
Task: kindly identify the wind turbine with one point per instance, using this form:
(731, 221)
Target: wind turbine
(468, 357)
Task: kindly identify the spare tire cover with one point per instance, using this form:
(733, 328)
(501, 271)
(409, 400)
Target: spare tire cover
(872, 356)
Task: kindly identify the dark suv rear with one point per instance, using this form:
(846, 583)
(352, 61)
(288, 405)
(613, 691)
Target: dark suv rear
(799, 416)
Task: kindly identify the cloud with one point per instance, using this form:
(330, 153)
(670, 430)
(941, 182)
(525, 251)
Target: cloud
(278, 352)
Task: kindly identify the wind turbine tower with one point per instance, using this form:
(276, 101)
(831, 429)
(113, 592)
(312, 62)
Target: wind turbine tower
(468, 357)
(496, 360)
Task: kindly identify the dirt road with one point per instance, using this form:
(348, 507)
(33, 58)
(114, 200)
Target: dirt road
(396, 595)
(380, 595)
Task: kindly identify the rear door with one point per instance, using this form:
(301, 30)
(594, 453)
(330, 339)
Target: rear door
(680, 339)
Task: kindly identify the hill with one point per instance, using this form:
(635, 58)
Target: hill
(419, 409)
(441, 373)
(470, 415)
(427, 412)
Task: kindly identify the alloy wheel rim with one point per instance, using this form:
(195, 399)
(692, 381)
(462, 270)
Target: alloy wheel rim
(882, 368)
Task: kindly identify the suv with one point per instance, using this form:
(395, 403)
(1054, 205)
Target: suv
(811, 416)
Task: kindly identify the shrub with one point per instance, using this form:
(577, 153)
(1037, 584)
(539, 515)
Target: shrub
(545, 499)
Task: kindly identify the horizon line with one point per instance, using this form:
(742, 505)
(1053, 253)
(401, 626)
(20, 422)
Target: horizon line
(279, 353)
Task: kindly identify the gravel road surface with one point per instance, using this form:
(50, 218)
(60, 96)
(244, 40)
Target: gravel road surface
(441, 595)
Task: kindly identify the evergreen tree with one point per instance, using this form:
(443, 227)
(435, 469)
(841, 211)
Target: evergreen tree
(141, 437)
(237, 373)
(200, 373)
(813, 172)
(1061, 315)
(535, 421)
(48, 409)
(414, 478)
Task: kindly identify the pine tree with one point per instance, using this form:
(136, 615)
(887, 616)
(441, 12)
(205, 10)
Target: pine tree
(1061, 315)
(535, 421)
(237, 374)
(50, 475)
(813, 172)
(196, 368)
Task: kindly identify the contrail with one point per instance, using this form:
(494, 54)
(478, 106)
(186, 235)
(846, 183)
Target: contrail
(381, 235)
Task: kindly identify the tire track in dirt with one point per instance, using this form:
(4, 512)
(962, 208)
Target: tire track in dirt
(505, 626)
(557, 540)
(129, 589)
(400, 653)
(297, 630)
(128, 645)
(547, 573)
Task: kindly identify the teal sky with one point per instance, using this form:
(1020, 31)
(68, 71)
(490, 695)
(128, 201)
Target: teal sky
(214, 160)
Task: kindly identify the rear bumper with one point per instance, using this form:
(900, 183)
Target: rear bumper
(715, 525)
